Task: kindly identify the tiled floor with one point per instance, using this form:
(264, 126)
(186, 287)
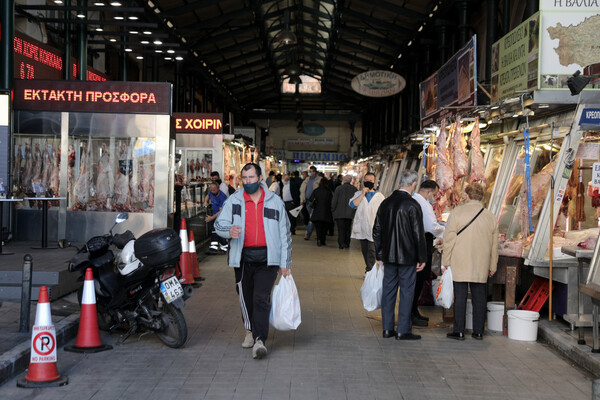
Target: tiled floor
(336, 353)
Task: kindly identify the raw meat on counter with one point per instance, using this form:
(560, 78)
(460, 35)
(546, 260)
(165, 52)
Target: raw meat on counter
(477, 165)
(510, 247)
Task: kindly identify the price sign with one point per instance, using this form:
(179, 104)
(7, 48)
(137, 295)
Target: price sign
(43, 344)
(596, 175)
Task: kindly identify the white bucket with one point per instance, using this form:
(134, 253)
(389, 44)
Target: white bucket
(469, 315)
(523, 325)
(495, 313)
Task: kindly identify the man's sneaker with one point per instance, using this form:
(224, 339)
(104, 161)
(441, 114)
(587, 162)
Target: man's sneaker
(248, 340)
(259, 350)
(223, 249)
(211, 251)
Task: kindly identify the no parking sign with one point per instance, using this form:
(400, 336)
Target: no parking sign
(43, 344)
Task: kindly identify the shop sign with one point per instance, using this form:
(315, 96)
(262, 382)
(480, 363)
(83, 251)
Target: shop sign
(569, 39)
(84, 96)
(452, 86)
(596, 175)
(198, 123)
(314, 129)
(515, 60)
(36, 60)
(324, 141)
(378, 83)
(590, 117)
(317, 156)
(298, 142)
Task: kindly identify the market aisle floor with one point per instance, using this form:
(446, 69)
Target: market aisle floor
(337, 352)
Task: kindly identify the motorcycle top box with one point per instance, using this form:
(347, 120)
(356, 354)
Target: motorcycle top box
(158, 247)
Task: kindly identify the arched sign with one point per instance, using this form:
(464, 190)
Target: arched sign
(378, 83)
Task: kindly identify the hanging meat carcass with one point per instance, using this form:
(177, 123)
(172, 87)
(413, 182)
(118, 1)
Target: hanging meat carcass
(121, 193)
(28, 170)
(81, 187)
(147, 183)
(37, 163)
(54, 181)
(477, 166)
(540, 183)
(191, 169)
(227, 160)
(461, 164)
(17, 174)
(134, 182)
(70, 172)
(47, 166)
(443, 172)
(103, 182)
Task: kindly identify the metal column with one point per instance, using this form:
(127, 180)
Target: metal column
(82, 41)
(492, 33)
(7, 21)
(67, 59)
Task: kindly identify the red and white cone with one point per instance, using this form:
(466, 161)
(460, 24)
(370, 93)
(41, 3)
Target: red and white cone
(42, 370)
(185, 263)
(88, 335)
(194, 258)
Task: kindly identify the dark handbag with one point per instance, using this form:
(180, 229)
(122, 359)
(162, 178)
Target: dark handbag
(470, 222)
(254, 255)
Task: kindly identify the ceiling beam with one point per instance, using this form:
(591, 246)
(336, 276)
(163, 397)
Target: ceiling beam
(377, 23)
(381, 41)
(211, 23)
(190, 7)
(236, 47)
(363, 49)
(398, 10)
(241, 57)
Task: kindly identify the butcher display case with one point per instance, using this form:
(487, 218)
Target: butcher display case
(101, 157)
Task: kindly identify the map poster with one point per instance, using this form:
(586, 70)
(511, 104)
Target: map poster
(452, 86)
(570, 39)
(515, 60)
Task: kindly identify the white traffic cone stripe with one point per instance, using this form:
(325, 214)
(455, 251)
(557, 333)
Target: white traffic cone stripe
(192, 246)
(89, 295)
(185, 244)
(42, 315)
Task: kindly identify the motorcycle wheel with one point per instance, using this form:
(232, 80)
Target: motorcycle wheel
(174, 333)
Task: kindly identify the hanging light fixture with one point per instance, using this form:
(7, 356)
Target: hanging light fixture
(295, 80)
(286, 36)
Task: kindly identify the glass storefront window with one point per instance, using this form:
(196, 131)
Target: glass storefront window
(491, 171)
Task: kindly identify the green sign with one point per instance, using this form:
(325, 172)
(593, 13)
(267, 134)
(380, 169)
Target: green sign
(515, 60)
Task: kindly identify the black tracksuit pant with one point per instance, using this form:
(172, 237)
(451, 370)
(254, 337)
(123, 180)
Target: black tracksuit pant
(254, 283)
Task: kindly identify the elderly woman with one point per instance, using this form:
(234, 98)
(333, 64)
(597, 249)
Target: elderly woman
(471, 249)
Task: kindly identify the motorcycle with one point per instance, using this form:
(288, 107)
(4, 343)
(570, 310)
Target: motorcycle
(137, 289)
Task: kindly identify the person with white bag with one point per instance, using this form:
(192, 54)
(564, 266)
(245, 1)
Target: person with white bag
(471, 249)
(255, 220)
(400, 243)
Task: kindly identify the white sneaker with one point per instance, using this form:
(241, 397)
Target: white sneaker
(259, 350)
(248, 340)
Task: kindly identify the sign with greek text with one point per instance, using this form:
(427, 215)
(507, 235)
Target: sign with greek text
(316, 156)
(378, 83)
(84, 96)
(298, 142)
(596, 175)
(198, 123)
(590, 117)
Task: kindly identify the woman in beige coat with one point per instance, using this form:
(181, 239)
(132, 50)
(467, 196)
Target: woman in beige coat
(471, 249)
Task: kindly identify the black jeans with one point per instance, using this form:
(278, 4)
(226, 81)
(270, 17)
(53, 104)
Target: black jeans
(478, 298)
(254, 283)
(423, 275)
(368, 250)
(321, 227)
(344, 230)
(290, 205)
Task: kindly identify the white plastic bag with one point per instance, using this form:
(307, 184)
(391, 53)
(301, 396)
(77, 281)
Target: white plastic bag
(285, 307)
(372, 287)
(296, 211)
(445, 292)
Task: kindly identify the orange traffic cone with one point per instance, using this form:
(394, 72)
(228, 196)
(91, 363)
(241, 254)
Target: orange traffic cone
(88, 335)
(185, 263)
(42, 365)
(194, 258)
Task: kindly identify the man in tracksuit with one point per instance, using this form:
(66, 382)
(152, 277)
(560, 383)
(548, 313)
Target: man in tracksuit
(255, 220)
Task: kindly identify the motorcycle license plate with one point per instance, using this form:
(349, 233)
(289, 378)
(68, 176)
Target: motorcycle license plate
(171, 289)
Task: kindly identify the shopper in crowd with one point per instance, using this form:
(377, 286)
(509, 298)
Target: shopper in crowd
(331, 225)
(471, 250)
(216, 198)
(270, 178)
(400, 244)
(275, 186)
(366, 203)
(321, 216)
(309, 184)
(256, 222)
(214, 176)
(342, 212)
(295, 184)
(425, 197)
(288, 200)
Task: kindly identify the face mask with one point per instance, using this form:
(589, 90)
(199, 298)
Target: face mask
(369, 185)
(251, 187)
(430, 201)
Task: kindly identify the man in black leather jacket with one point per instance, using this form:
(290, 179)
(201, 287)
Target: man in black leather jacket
(400, 244)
